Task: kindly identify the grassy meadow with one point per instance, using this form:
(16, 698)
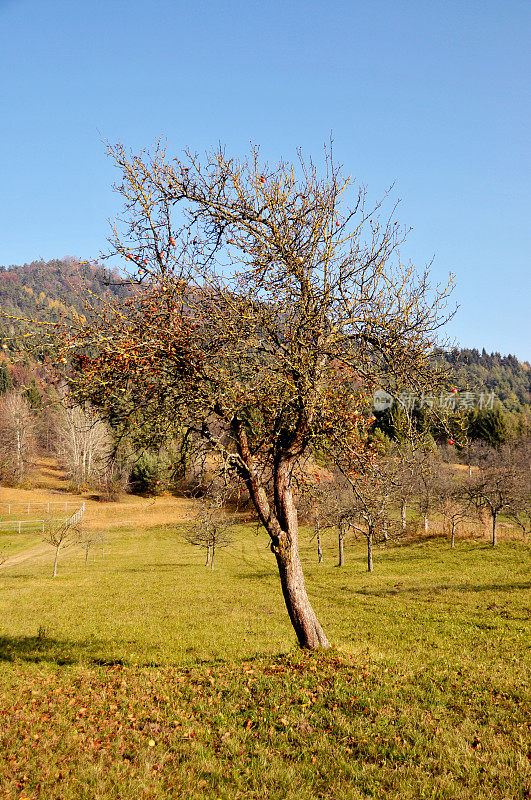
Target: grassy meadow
(146, 675)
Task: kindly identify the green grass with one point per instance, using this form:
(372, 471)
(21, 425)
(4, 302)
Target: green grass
(12, 542)
(153, 677)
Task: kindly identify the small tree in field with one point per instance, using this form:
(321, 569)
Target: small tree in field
(500, 483)
(452, 501)
(211, 529)
(426, 475)
(320, 500)
(266, 310)
(368, 502)
(59, 535)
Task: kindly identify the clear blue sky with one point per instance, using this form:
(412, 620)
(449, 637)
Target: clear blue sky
(433, 95)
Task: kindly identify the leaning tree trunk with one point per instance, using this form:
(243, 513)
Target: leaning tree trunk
(494, 528)
(282, 526)
(370, 565)
(309, 632)
(286, 549)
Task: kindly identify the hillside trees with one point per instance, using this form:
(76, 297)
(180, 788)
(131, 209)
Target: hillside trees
(267, 308)
(17, 440)
(84, 444)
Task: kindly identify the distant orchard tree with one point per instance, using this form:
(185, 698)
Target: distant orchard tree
(500, 482)
(368, 506)
(60, 535)
(452, 500)
(211, 529)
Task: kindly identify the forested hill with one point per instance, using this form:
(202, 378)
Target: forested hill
(46, 289)
(508, 378)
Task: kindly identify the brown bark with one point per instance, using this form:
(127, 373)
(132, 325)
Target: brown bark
(309, 632)
(286, 548)
(453, 533)
(283, 529)
(55, 561)
(319, 547)
(341, 547)
(494, 528)
(370, 565)
(403, 513)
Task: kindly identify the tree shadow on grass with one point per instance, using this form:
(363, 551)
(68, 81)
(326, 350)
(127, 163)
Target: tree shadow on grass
(43, 648)
(395, 590)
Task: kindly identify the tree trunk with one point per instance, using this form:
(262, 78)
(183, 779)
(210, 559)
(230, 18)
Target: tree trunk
(213, 554)
(309, 632)
(207, 562)
(319, 548)
(282, 526)
(403, 507)
(341, 548)
(369, 551)
(286, 549)
(86, 555)
(453, 533)
(494, 528)
(55, 561)
(426, 523)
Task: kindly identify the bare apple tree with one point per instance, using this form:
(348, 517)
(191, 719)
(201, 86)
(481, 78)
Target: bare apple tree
(500, 483)
(269, 302)
(211, 529)
(60, 535)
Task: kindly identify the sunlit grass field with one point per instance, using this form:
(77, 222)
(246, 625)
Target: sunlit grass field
(146, 675)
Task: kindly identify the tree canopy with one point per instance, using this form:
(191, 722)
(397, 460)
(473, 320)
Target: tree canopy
(264, 309)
